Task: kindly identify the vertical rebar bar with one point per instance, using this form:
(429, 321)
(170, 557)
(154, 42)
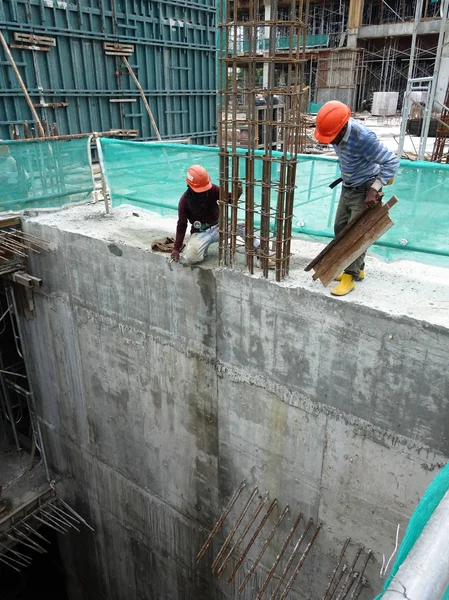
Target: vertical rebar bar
(252, 540)
(349, 574)
(300, 563)
(269, 190)
(234, 529)
(279, 556)
(292, 558)
(264, 547)
(220, 521)
(243, 535)
(337, 566)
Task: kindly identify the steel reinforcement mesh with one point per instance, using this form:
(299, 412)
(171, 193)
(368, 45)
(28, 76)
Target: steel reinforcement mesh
(44, 174)
(152, 176)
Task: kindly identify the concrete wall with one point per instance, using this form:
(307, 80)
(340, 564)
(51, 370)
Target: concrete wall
(160, 391)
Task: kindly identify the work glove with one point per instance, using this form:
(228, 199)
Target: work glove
(175, 255)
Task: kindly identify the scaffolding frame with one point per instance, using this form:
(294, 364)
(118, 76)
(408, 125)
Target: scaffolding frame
(385, 69)
(442, 133)
(329, 18)
(379, 12)
(429, 83)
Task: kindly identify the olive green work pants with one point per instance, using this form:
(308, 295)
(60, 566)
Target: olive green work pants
(352, 201)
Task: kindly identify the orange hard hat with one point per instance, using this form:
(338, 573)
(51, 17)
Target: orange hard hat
(330, 120)
(198, 179)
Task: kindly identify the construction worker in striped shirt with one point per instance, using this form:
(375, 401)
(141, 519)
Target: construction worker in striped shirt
(365, 164)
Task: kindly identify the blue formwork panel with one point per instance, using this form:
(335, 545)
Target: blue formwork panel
(174, 59)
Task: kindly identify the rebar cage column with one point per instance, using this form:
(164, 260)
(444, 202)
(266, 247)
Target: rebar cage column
(267, 167)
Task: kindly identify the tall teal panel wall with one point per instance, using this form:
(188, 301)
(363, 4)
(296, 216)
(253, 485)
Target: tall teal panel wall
(174, 59)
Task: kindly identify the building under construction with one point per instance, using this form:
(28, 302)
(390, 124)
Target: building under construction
(225, 429)
(356, 48)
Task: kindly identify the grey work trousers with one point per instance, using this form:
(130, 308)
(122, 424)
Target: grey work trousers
(352, 201)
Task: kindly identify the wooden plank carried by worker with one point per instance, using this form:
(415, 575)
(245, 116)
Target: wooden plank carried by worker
(358, 235)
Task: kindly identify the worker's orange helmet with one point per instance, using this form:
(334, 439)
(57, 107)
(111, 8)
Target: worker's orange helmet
(330, 120)
(198, 179)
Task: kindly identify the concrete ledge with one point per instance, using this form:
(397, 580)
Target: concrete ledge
(398, 29)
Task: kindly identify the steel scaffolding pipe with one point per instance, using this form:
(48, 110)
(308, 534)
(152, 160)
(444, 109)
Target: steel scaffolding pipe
(424, 575)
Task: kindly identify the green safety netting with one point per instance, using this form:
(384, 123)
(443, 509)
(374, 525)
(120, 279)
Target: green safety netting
(152, 176)
(423, 512)
(35, 174)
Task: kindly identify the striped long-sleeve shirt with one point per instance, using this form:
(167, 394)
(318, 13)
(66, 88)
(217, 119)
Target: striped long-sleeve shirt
(363, 157)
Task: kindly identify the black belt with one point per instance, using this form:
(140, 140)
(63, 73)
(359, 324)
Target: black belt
(335, 183)
(339, 180)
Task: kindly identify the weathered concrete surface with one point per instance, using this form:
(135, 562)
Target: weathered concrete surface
(160, 391)
(399, 29)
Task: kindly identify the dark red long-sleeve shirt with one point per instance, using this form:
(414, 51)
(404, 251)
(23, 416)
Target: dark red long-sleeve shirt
(185, 214)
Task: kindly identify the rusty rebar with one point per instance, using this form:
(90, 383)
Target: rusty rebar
(234, 529)
(249, 213)
(300, 563)
(292, 558)
(359, 584)
(337, 566)
(352, 581)
(8, 238)
(252, 540)
(29, 239)
(343, 571)
(349, 574)
(268, 128)
(279, 556)
(264, 547)
(10, 247)
(237, 543)
(220, 521)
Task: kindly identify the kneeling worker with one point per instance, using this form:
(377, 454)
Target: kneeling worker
(365, 164)
(199, 205)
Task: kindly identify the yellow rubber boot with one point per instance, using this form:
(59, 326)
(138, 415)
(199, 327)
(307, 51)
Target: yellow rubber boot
(361, 276)
(345, 286)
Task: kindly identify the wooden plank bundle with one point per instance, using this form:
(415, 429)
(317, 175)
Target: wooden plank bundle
(358, 235)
